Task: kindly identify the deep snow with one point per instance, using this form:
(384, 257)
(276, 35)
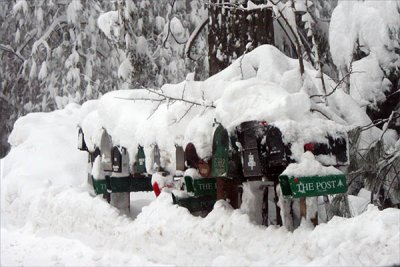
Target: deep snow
(49, 218)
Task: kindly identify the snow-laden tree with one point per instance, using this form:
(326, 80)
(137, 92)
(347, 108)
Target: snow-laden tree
(153, 35)
(52, 54)
(365, 46)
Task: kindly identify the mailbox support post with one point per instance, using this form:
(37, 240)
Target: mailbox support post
(121, 201)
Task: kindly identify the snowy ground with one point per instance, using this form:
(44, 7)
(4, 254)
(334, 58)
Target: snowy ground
(49, 218)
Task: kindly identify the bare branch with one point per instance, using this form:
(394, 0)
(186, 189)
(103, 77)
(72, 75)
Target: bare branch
(162, 97)
(379, 122)
(187, 111)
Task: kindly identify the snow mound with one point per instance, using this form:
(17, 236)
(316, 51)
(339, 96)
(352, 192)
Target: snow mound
(264, 84)
(309, 166)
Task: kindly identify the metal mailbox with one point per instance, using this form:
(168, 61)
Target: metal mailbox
(105, 148)
(220, 158)
(139, 166)
(81, 140)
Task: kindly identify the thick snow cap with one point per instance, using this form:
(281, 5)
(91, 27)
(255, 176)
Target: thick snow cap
(261, 85)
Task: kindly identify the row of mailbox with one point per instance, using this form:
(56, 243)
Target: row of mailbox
(256, 150)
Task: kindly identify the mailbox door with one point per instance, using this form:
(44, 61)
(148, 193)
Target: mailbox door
(339, 148)
(191, 157)
(157, 156)
(248, 134)
(180, 158)
(251, 163)
(81, 141)
(116, 160)
(106, 148)
(140, 162)
(220, 157)
(275, 148)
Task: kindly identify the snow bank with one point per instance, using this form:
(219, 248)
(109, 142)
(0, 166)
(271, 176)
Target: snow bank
(309, 166)
(43, 155)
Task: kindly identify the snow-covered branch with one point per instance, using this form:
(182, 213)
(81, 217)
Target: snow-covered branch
(58, 22)
(9, 49)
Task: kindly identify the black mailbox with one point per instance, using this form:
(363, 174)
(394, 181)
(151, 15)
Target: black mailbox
(120, 160)
(81, 140)
(116, 159)
(263, 150)
(335, 147)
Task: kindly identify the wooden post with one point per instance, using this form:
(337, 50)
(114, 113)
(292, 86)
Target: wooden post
(303, 211)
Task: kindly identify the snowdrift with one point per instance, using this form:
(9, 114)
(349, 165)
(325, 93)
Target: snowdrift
(45, 205)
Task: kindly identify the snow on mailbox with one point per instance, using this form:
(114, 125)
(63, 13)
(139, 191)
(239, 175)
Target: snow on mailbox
(120, 160)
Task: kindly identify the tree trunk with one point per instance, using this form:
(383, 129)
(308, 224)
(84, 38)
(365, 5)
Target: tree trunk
(232, 28)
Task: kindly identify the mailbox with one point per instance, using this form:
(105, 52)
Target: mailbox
(191, 157)
(249, 134)
(263, 149)
(93, 155)
(220, 158)
(336, 148)
(81, 140)
(275, 154)
(120, 160)
(139, 166)
(157, 158)
(105, 148)
(180, 158)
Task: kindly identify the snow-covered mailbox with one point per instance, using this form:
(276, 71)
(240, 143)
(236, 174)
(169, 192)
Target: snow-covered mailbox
(264, 157)
(226, 166)
(141, 180)
(105, 148)
(81, 140)
(101, 164)
(121, 181)
(201, 188)
(263, 150)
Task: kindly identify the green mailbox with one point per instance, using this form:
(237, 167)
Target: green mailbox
(140, 161)
(220, 159)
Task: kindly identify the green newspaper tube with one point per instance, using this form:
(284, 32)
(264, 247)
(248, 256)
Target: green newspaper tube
(311, 186)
